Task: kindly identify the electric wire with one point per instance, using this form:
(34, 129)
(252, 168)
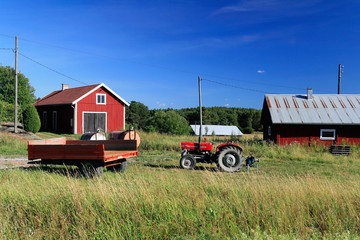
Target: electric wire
(233, 86)
(53, 70)
(159, 67)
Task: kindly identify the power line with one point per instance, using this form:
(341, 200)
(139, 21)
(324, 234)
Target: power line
(6, 49)
(158, 66)
(233, 86)
(51, 69)
(153, 65)
(5, 35)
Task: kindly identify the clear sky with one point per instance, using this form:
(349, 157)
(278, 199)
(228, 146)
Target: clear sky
(153, 51)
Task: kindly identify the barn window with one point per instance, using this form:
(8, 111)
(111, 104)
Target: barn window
(44, 120)
(54, 120)
(269, 131)
(100, 98)
(327, 134)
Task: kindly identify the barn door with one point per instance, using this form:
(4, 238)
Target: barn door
(94, 121)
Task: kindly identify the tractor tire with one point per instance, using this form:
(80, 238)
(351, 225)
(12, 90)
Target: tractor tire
(91, 169)
(188, 162)
(118, 168)
(230, 159)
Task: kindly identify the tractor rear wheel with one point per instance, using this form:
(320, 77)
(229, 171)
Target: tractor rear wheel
(230, 159)
(188, 162)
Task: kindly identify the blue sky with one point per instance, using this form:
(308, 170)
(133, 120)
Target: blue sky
(153, 51)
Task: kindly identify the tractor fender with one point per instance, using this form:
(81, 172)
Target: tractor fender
(221, 146)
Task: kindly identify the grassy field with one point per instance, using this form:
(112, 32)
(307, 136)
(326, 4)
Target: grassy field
(299, 192)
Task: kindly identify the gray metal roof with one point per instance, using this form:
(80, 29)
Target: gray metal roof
(320, 109)
(218, 130)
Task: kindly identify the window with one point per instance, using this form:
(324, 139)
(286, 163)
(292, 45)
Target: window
(54, 120)
(101, 99)
(327, 134)
(44, 120)
(269, 131)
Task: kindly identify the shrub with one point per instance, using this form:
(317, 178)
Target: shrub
(31, 119)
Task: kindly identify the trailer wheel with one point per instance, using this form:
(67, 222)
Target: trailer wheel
(230, 159)
(188, 162)
(91, 169)
(118, 168)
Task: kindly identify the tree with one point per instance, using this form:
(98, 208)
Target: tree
(137, 114)
(7, 87)
(7, 92)
(31, 119)
(168, 122)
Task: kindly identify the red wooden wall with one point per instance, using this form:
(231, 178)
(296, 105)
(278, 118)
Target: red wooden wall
(115, 110)
(285, 134)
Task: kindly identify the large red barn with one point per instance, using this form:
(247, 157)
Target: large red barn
(82, 109)
(322, 118)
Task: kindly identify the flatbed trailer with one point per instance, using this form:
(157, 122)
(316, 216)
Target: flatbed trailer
(90, 156)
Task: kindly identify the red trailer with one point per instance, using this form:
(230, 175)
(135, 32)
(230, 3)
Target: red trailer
(90, 156)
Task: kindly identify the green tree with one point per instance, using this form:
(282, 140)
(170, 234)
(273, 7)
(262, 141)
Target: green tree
(137, 114)
(6, 112)
(31, 119)
(168, 122)
(7, 87)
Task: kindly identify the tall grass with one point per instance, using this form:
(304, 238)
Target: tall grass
(299, 192)
(162, 204)
(12, 145)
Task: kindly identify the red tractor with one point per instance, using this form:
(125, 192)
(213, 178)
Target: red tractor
(228, 156)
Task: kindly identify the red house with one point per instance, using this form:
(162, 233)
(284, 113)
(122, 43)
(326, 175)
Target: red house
(325, 118)
(81, 110)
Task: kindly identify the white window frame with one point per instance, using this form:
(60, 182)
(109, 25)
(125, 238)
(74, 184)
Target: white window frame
(327, 130)
(97, 98)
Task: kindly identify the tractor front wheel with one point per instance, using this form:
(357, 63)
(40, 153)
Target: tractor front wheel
(188, 162)
(230, 159)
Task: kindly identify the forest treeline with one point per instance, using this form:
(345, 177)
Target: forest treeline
(177, 121)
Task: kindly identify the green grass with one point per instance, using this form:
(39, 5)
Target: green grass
(299, 193)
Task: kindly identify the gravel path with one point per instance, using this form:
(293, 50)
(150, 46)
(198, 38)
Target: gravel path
(14, 162)
(21, 162)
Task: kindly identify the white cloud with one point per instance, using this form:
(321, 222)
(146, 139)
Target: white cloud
(260, 71)
(277, 7)
(226, 105)
(160, 105)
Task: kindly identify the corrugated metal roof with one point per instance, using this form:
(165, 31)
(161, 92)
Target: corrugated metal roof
(218, 130)
(321, 109)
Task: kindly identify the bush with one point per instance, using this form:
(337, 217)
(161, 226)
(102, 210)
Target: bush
(31, 119)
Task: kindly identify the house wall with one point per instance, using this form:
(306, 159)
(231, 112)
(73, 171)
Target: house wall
(285, 134)
(115, 110)
(63, 123)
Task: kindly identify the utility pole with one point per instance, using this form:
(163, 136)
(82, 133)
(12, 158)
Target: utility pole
(339, 77)
(200, 107)
(16, 84)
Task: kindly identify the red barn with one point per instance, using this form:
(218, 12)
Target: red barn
(325, 118)
(81, 110)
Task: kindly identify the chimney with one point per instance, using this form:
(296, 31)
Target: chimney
(309, 93)
(65, 86)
